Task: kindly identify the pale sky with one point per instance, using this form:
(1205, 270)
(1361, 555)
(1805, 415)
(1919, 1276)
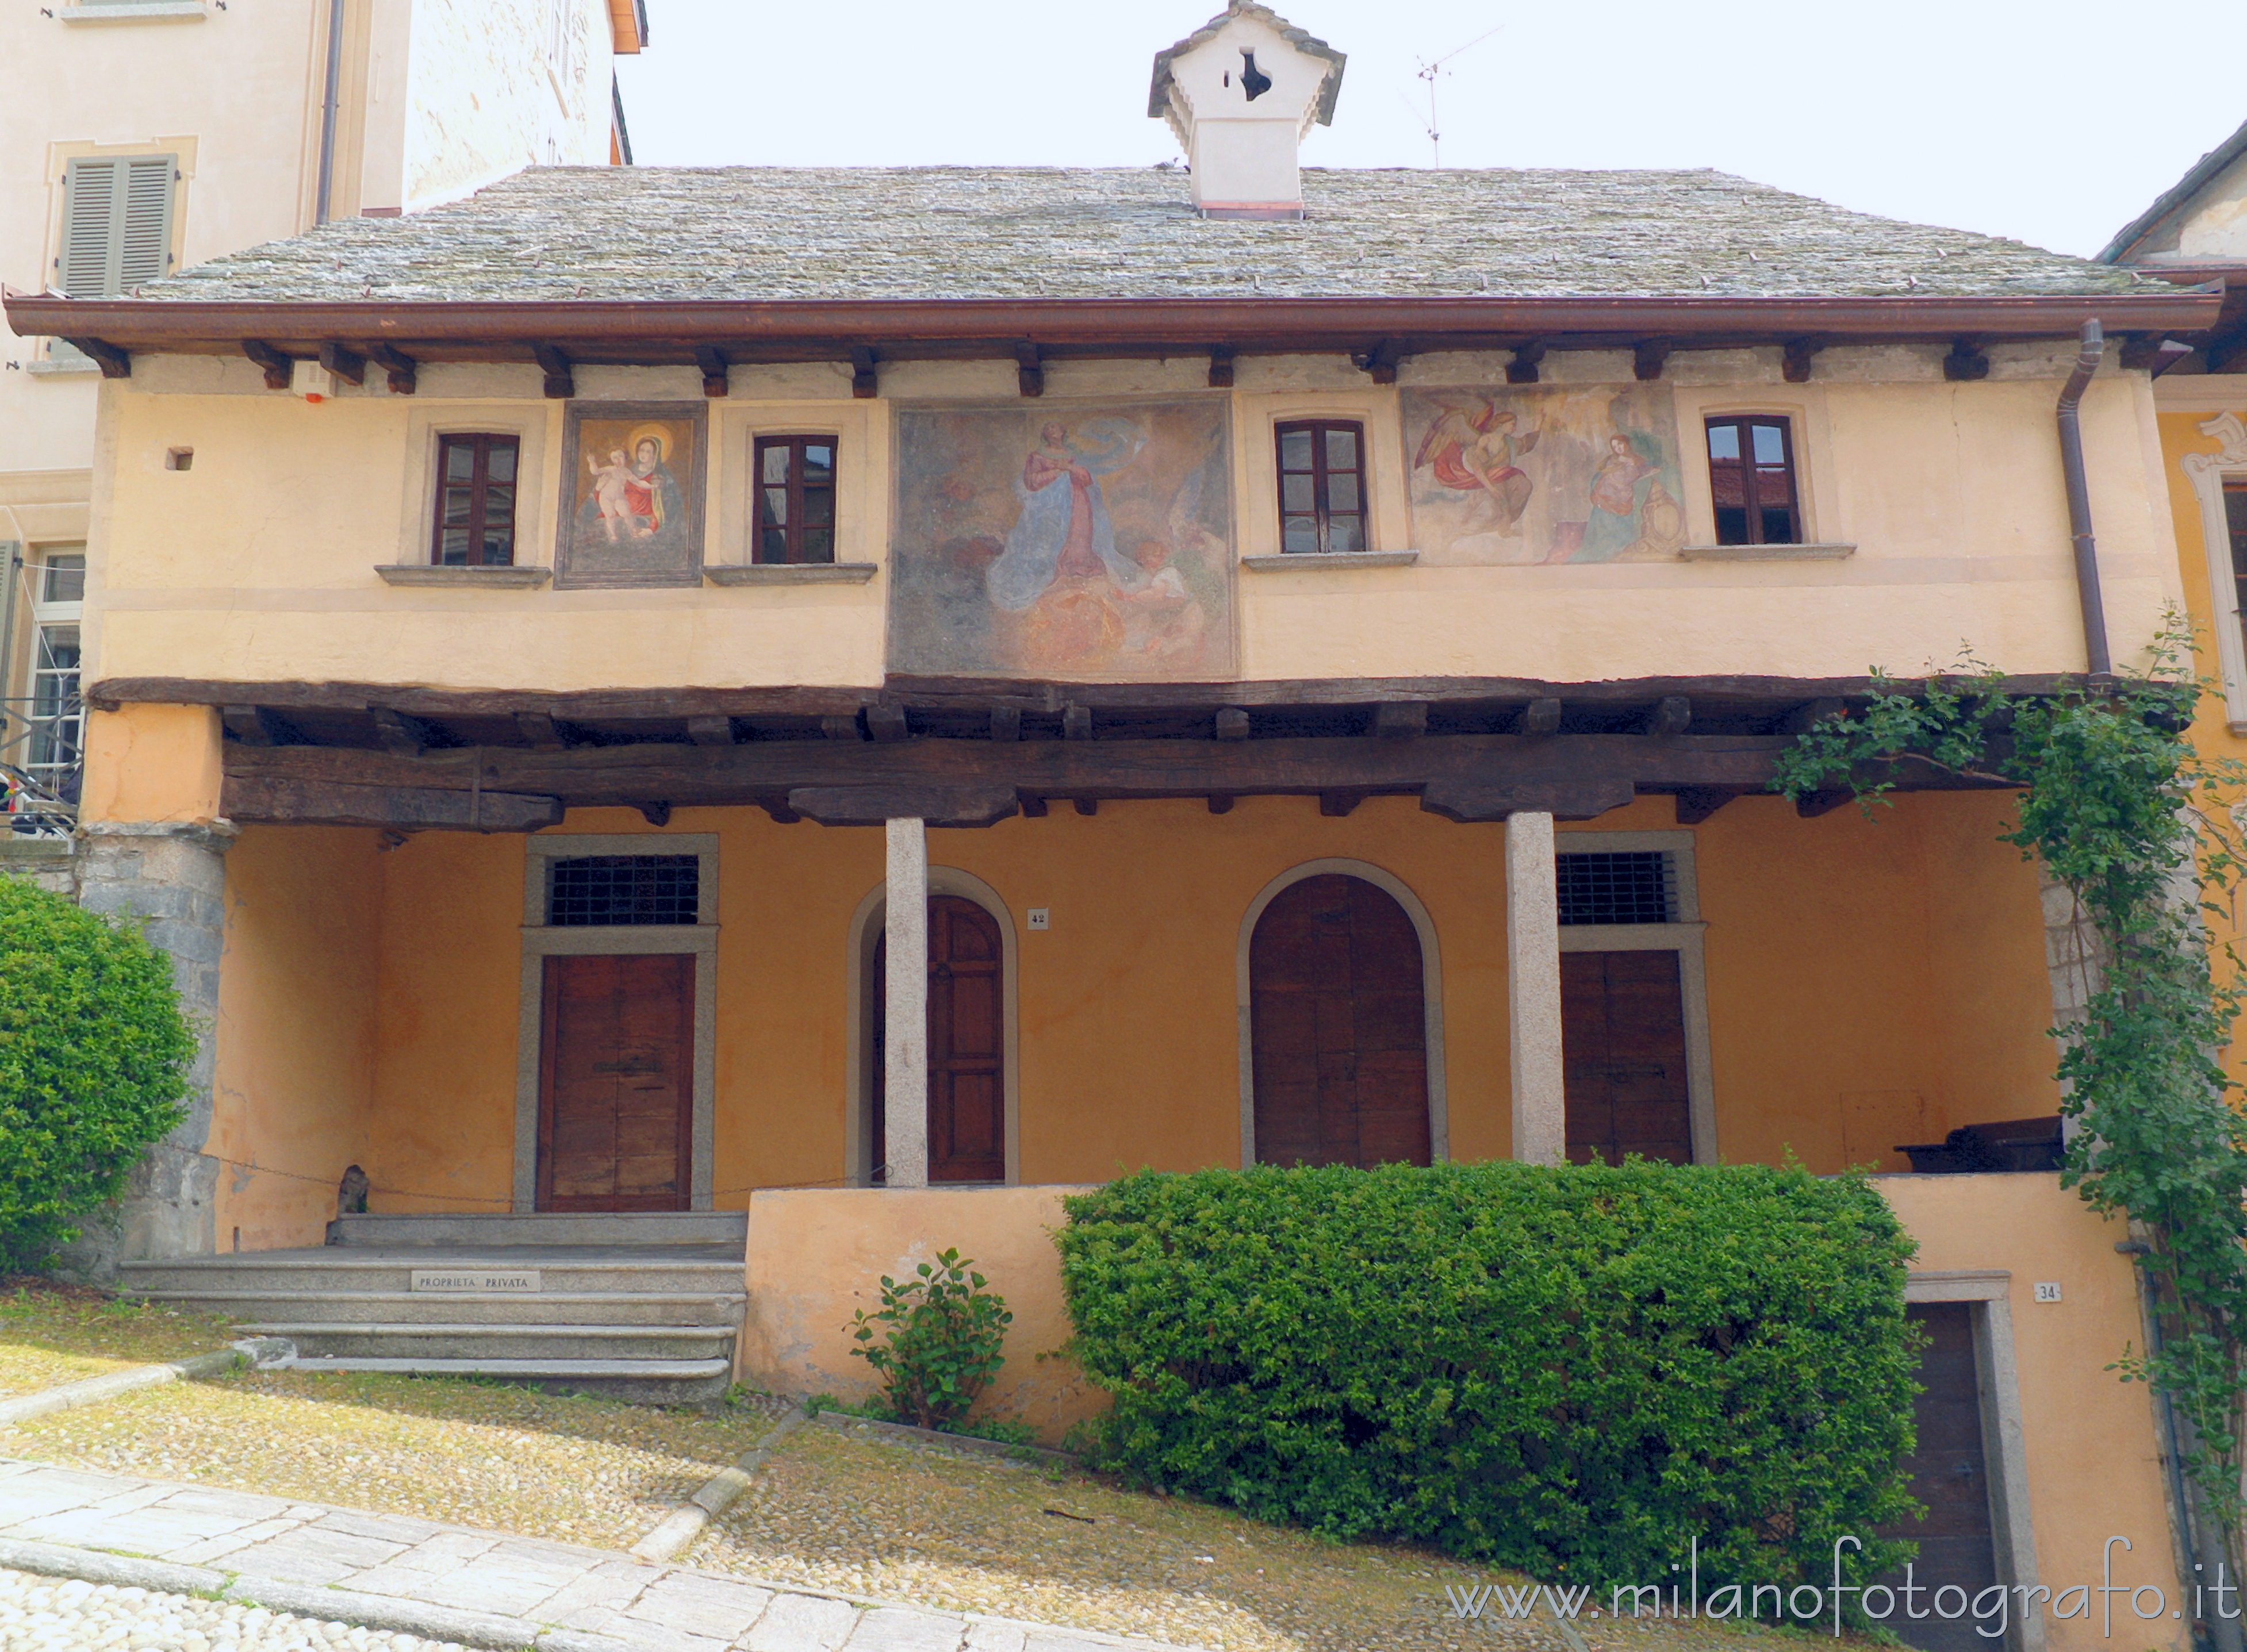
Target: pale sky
(2055, 121)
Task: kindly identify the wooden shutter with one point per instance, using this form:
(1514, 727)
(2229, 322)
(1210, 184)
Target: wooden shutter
(117, 224)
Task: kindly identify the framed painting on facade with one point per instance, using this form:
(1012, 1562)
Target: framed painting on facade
(631, 494)
(1085, 542)
(1549, 473)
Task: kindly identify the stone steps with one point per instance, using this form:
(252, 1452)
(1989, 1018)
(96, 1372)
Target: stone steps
(469, 1232)
(644, 1381)
(343, 1268)
(583, 1308)
(412, 1340)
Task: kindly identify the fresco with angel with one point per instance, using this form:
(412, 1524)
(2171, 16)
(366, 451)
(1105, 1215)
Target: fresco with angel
(1553, 473)
(1048, 541)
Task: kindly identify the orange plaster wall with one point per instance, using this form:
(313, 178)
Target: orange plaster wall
(151, 762)
(2092, 1453)
(296, 1045)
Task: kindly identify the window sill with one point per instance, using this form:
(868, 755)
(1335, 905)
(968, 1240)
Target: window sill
(1306, 562)
(512, 578)
(1765, 553)
(791, 573)
(134, 11)
(63, 367)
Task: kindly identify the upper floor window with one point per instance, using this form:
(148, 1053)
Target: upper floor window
(117, 223)
(1322, 485)
(796, 499)
(1753, 482)
(476, 502)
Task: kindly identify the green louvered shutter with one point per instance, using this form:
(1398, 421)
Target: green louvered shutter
(117, 224)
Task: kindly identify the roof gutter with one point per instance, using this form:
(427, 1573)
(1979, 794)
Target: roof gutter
(2096, 660)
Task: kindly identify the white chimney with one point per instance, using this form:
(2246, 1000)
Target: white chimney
(1241, 92)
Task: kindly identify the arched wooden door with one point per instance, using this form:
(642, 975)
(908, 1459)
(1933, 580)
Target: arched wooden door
(1338, 1027)
(967, 1043)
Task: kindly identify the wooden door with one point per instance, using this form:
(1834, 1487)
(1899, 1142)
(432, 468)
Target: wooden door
(1948, 1475)
(616, 1101)
(1623, 1046)
(1338, 1027)
(967, 1043)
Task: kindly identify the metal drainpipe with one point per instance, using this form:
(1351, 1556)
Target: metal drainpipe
(328, 109)
(2097, 660)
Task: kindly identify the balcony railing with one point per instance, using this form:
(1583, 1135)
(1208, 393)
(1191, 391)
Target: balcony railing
(42, 762)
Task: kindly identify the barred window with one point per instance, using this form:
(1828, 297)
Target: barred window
(1633, 888)
(622, 890)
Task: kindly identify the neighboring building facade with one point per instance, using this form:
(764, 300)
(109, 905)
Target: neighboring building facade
(1301, 656)
(142, 136)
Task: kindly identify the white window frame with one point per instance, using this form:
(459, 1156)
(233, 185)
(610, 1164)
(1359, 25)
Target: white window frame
(542, 941)
(1681, 936)
(2207, 473)
(44, 617)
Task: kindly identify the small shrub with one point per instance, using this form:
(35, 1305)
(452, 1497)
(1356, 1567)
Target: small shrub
(1572, 1371)
(93, 1065)
(943, 1343)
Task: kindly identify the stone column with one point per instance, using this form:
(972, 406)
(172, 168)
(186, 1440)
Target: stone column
(904, 1038)
(1533, 983)
(174, 878)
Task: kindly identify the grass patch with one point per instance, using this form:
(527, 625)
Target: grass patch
(52, 1333)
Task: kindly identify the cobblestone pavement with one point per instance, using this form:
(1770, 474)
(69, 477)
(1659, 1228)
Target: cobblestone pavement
(592, 1596)
(37, 1613)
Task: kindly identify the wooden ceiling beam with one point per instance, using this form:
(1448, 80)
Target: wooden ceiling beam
(399, 366)
(554, 362)
(280, 367)
(344, 365)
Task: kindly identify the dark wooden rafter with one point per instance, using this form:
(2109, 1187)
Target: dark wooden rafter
(711, 361)
(1671, 716)
(1006, 722)
(710, 731)
(554, 363)
(2225, 350)
(2140, 350)
(344, 366)
(1541, 716)
(1648, 357)
(842, 725)
(1379, 363)
(1401, 719)
(1696, 803)
(1085, 805)
(539, 732)
(865, 374)
(256, 726)
(401, 367)
(402, 733)
(1220, 366)
(655, 814)
(1230, 723)
(401, 807)
(886, 724)
(1797, 356)
(1966, 362)
(1030, 370)
(1076, 722)
(280, 366)
(114, 363)
(1522, 370)
(1811, 805)
(1337, 804)
(1033, 807)
(1220, 803)
(1810, 712)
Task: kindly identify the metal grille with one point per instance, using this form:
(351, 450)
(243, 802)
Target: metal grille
(1616, 889)
(623, 889)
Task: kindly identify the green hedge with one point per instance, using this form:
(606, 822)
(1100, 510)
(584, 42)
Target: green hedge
(1571, 1371)
(93, 1063)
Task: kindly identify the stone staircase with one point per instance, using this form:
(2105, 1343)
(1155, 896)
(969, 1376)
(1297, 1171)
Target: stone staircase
(643, 1308)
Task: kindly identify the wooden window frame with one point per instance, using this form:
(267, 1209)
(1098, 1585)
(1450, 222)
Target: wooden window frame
(2229, 488)
(791, 531)
(1321, 511)
(483, 442)
(1751, 505)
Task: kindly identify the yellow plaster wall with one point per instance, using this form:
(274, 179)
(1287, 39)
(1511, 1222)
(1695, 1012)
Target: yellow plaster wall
(150, 763)
(296, 1029)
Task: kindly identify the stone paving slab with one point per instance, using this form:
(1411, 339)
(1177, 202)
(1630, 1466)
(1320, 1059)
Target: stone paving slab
(480, 1589)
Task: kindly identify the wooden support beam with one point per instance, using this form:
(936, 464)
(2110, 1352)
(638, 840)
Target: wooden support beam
(1812, 804)
(711, 361)
(399, 366)
(1076, 722)
(561, 382)
(347, 366)
(1006, 722)
(114, 363)
(874, 805)
(1671, 716)
(408, 736)
(1034, 807)
(657, 814)
(251, 798)
(1220, 366)
(781, 813)
(1219, 803)
(1231, 723)
(1696, 803)
(1030, 370)
(1470, 800)
(1811, 712)
(1795, 360)
(255, 726)
(1522, 370)
(1087, 805)
(887, 724)
(1401, 719)
(710, 731)
(539, 731)
(1649, 356)
(1965, 362)
(866, 379)
(280, 369)
(2141, 350)
(1379, 363)
(1539, 717)
(842, 727)
(1335, 805)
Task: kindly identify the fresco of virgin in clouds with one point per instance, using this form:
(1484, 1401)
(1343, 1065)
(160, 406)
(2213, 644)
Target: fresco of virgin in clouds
(1556, 474)
(1085, 544)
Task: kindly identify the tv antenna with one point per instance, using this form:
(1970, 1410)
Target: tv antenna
(1428, 72)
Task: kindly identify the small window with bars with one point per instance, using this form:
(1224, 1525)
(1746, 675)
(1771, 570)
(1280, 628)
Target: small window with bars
(476, 502)
(1321, 485)
(1632, 887)
(1751, 482)
(796, 499)
(619, 891)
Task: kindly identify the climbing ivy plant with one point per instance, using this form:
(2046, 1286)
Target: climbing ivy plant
(2133, 820)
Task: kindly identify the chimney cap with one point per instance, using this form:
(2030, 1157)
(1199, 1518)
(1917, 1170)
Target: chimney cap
(1158, 93)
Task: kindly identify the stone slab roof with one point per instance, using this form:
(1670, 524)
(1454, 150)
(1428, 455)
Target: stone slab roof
(652, 234)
